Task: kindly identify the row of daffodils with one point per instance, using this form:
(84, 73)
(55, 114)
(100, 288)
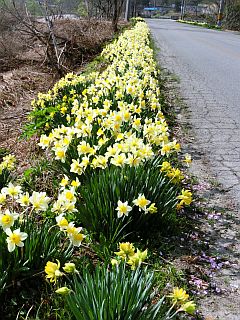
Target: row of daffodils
(200, 24)
(111, 148)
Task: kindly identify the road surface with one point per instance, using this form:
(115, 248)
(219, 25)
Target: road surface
(208, 65)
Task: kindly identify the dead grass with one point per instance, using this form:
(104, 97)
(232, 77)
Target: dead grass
(17, 88)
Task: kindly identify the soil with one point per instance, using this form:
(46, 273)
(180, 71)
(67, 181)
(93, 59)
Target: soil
(210, 252)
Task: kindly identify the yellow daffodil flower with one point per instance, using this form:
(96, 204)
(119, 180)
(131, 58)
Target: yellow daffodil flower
(52, 271)
(185, 197)
(136, 259)
(141, 202)
(7, 219)
(179, 295)
(126, 250)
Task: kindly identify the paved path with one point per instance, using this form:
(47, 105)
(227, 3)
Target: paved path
(208, 65)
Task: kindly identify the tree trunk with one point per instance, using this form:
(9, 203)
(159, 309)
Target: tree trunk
(115, 16)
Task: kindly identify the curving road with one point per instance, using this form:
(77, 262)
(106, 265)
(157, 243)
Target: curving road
(208, 65)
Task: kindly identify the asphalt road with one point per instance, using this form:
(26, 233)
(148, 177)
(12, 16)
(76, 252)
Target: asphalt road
(208, 65)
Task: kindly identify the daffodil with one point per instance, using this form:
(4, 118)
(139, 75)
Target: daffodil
(100, 162)
(69, 267)
(137, 123)
(69, 195)
(175, 175)
(24, 199)
(166, 148)
(141, 202)
(84, 163)
(76, 237)
(189, 307)
(176, 146)
(152, 208)
(2, 198)
(119, 160)
(85, 148)
(60, 153)
(52, 271)
(8, 163)
(185, 197)
(64, 182)
(71, 228)
(44, 141)
(123, 208)
(39, 201)
(76, 167)
(179, 206)
(166, 166)
(136, 259)
(15, 238)
(133, 161)
(11, 190)
(187, 159)
(126, 250)
(7, 219)
(75, 183)
(68, 206)
(179, 295)
(57, 206)
(63, 291)
(62, 222)
(114, 262)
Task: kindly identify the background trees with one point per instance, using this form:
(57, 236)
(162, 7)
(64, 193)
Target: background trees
(232, 14)
(50, 30)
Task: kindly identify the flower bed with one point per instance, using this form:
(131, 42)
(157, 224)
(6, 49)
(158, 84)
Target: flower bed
(112, 149)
